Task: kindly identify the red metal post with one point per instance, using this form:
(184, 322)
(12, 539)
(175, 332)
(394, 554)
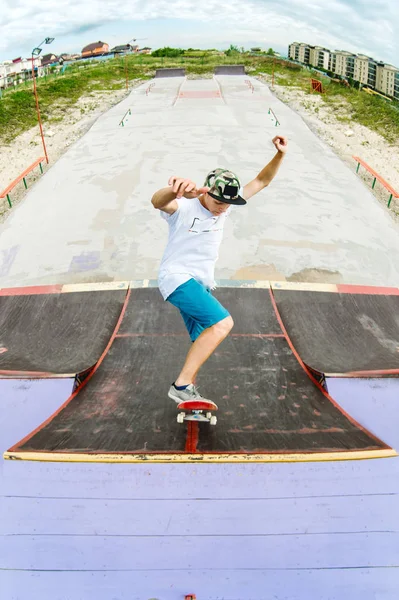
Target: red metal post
(273, 73)
(38, 110)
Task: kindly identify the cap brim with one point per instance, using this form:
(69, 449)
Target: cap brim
(239, 201)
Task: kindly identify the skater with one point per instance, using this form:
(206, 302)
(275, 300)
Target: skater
(196, 218)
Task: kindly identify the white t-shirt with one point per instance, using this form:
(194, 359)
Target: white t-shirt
(192, 250)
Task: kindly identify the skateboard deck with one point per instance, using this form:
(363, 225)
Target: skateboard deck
(197, 410)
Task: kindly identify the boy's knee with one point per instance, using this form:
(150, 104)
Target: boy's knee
(224, 326)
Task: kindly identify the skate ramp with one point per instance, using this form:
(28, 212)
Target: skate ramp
(56, 330)
(350, 331)
(269, 407)
(170, 73)
(230, 70)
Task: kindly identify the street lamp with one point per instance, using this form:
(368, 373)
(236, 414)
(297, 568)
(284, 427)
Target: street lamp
(126, 73)
(35, 52)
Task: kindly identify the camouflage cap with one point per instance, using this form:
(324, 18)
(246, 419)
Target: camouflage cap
(225, 186)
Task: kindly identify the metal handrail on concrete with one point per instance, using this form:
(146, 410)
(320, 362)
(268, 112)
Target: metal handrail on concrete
(123, 118)
(377, 176)
(148, 90)
(271, 112)
(249, 84)
(21, 177)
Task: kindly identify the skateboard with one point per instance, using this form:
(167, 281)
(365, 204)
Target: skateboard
(197, 410)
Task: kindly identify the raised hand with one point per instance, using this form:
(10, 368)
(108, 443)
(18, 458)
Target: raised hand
(281, 143)
(186, 187)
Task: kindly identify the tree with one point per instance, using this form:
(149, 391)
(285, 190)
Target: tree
(270, 52)
(169, 52)
(232, 50)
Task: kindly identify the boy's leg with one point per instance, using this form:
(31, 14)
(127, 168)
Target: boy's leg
(207, 321)
(202, 348)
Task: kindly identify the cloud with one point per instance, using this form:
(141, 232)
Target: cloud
(83, 28)
(356, 25)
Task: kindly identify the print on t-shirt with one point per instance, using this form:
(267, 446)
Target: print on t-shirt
(202, 225)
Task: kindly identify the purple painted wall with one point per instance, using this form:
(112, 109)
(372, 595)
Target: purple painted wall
(225, 584)
(24, 404)
(374, 403)
(325, 531)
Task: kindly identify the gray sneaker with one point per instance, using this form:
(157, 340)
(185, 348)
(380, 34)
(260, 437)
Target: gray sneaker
(190, 393)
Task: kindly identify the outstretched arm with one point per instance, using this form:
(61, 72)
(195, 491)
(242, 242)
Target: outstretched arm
(270, 170)
(165, 198)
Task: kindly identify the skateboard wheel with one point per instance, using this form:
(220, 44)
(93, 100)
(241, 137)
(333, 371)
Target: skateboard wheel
(180, 417)
(213, 420)
(209, 415)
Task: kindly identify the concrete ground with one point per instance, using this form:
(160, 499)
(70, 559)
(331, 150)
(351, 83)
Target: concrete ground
(89, 218)
(238, 531)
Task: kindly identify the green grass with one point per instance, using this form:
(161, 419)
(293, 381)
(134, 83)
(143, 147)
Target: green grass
(58, 92)
(373, 112)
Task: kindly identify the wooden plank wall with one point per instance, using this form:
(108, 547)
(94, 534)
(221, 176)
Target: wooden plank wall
(233, 531)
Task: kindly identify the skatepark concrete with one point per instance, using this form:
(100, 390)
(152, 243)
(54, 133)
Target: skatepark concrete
(237, 531)
(90, 217)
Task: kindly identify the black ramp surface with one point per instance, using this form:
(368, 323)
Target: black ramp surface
(251, 310)
(61, 333)
(124, 407)
(266, 401)
(342, 333)
(148, 313)
(230, 70)
(270, 404)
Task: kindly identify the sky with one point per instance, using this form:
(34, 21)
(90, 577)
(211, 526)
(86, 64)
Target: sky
(359, 26)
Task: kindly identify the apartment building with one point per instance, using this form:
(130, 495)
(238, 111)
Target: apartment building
(324, 56)
(362, 68)
(304, 54)
(299, 52)
(343, 63)
(319, 57)
(293, 51)
(382, 77)
(387, 79)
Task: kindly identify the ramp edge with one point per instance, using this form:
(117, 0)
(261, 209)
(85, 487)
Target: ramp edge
(202, 458)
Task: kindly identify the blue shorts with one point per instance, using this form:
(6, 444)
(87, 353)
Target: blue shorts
(197, 306)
